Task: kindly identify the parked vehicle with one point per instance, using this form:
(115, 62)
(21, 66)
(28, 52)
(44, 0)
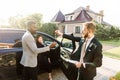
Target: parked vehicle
(7, 58)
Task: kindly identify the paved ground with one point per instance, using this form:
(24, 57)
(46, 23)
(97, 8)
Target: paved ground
(56, 74)
(108, 47)
(109, 68)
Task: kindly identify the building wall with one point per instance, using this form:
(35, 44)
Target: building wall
(70, 28)
(96, 17)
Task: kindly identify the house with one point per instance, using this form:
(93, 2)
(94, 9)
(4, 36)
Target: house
(73, 22)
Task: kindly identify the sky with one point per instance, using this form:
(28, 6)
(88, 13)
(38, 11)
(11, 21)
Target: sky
(48, 8)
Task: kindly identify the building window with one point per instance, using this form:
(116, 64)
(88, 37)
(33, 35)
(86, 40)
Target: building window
(99, 19)
(66, 18)
(63, 29)
(71, 17)
(77, 29)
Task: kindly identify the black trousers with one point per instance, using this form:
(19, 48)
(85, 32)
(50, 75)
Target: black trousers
(43, 63)
(19, 67)
(83, 76)
(29, 73)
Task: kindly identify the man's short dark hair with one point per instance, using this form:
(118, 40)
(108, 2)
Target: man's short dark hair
(30, 23)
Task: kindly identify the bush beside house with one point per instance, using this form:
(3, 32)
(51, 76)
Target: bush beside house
(107, 32)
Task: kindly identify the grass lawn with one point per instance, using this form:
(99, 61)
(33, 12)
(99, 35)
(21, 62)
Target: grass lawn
(111, 42)
(113, 53)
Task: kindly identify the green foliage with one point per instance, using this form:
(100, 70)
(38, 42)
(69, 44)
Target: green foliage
(37, 18)
(107, 32)
(20, 22)
(49, 28)
(13, 22)
(117, 76)
(111, 42)
(112, 55)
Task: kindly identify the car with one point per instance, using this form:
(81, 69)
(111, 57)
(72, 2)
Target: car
(59, 54)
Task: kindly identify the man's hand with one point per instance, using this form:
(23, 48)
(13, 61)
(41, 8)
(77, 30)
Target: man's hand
(58, 32)
(53, 45)
(78, 64)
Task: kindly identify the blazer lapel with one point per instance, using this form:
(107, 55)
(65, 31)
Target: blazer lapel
(90, 45)
(81, 42)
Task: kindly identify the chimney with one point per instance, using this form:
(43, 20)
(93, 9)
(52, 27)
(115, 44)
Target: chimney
(101, 12)
(87, 7)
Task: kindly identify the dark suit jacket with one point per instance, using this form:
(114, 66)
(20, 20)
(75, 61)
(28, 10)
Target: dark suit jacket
(93, 55)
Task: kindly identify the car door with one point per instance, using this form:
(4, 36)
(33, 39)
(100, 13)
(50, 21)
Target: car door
(67, 52)
(65, 48)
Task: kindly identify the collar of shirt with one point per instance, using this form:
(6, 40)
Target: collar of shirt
(88, 41)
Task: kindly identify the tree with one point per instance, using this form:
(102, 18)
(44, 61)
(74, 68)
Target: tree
(20, 22)
(49, 28)
(37, 18)
(107, 32)
(13, 22)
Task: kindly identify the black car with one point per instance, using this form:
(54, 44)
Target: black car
(62, 51)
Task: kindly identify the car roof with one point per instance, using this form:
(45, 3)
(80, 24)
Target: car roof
(8, 36)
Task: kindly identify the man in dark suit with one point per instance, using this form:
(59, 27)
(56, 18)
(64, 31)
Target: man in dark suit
(89, 53)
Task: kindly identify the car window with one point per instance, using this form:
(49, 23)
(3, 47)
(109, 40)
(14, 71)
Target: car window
(67, 43)
(47, 40)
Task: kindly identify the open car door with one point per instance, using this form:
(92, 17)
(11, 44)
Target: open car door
(67, 53)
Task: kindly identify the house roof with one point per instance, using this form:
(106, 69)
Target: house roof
(83, 17)
(69, 14)
(79, 10)
(106, 23)
(82, 8)
(59, 17)
(71, 22)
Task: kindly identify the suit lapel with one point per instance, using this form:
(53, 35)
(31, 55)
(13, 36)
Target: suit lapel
(78, 52)
(90, 45)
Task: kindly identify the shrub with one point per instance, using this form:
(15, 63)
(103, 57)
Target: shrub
(107, 32)
(117, 76)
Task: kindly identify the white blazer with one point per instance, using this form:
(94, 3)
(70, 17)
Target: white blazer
(30, 50)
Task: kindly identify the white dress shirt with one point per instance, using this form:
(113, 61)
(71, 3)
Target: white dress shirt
(88, 41)
(87, 44)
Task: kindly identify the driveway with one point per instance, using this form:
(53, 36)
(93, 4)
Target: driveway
(109, 68)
